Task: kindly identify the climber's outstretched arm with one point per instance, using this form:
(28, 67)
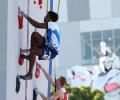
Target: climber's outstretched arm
(31, 21)
(36, 24)
(53, 97)
(42, 95)
(47, 76)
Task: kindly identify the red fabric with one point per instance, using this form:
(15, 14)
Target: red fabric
(78, 77)
(112, 86)
(37, 72)
(20, 22)
(40, 3)
(65, 96)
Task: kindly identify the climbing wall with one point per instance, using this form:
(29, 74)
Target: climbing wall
(11, 39)
(18, 38)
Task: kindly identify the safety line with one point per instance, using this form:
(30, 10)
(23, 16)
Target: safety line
(51, 5)
(50, 61)
(58, 6)
(26, 83)
(47, 6)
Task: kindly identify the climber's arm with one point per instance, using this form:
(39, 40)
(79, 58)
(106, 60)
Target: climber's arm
(31, 21)
(36, 24)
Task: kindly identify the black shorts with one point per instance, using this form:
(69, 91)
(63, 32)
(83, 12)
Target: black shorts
(49, 51)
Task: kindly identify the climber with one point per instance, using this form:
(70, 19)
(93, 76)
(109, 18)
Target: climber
(45, 47)
(60, 93)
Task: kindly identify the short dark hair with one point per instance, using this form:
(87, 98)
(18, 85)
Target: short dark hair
(53, 16)
(62, 80)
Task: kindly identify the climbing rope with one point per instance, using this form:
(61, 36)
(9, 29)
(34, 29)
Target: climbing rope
(26, 83)
(51, 5)
(46, 6)
(50, 61)
(58, 9)
(55, 77)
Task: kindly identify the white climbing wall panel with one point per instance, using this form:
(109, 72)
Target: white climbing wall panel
(13, 45)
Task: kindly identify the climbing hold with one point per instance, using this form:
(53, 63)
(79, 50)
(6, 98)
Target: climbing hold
(17, 84)
(37, 72)
(21, 59)
(40, 6)
(40, 3)
(34, 1)
(20, 21)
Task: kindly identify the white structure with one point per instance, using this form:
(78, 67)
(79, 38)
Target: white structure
(108, 83)
(89, 23)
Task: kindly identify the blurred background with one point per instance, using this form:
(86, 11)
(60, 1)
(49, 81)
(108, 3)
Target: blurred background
(88, 23)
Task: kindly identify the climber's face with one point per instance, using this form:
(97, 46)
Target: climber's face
(58, 84)
(47, 18)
